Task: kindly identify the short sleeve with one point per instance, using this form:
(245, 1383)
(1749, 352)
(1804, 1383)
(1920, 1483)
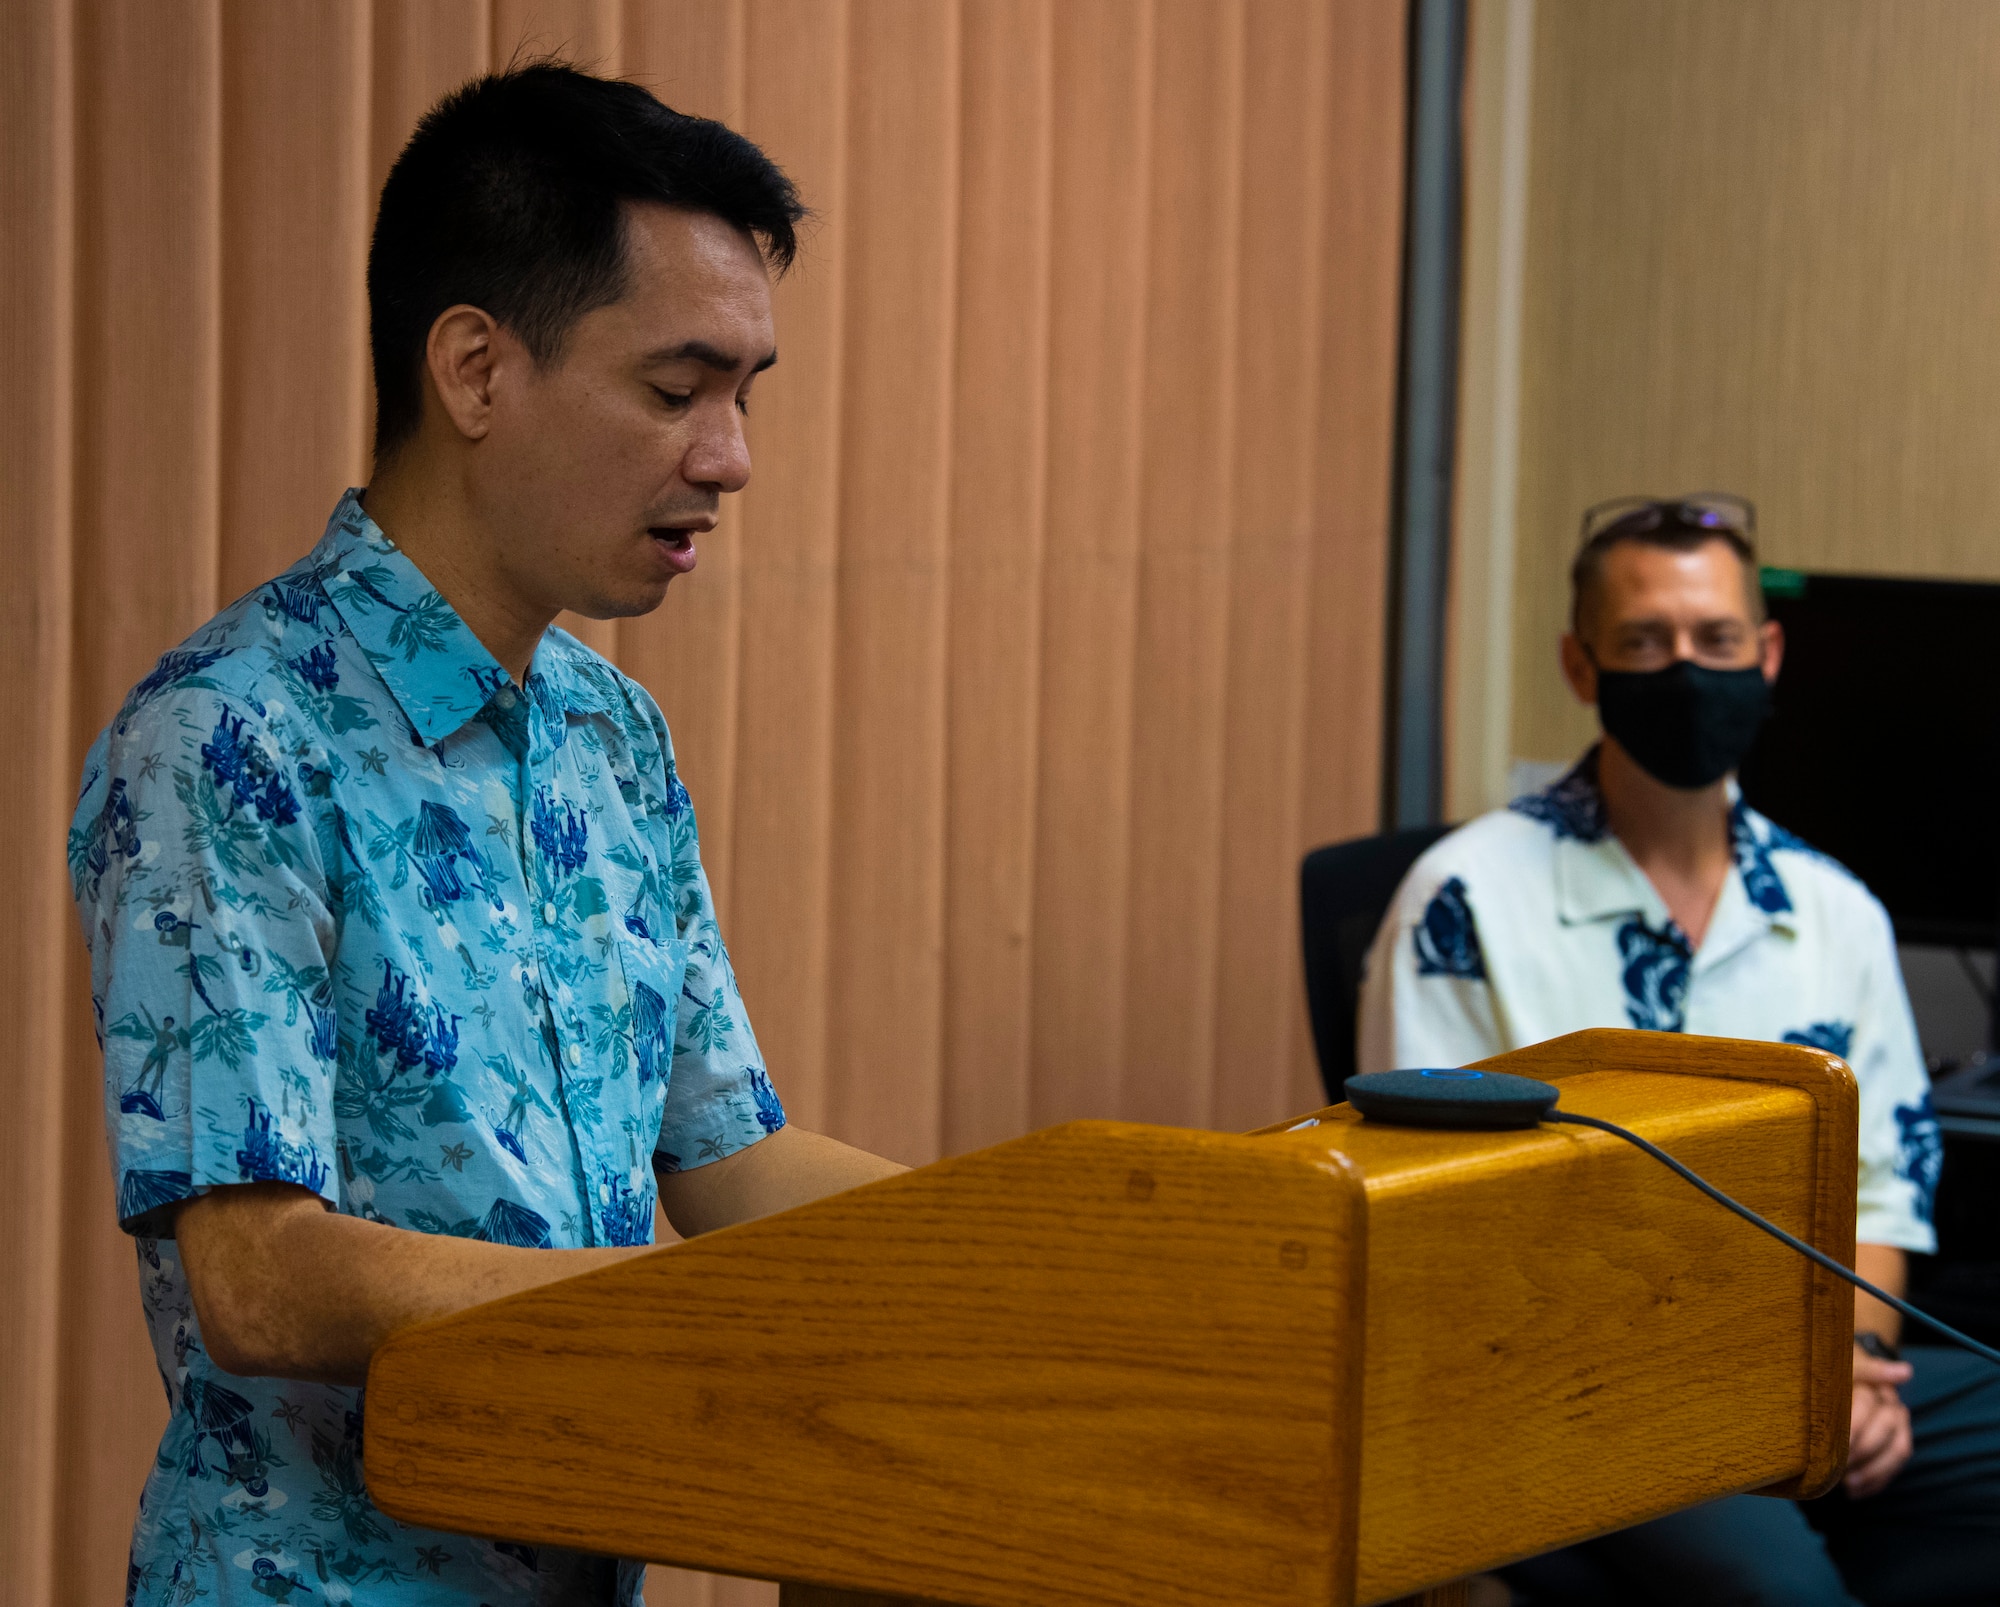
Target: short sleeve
(1901, 1148)
(719, 1095)
(1426, 997)
(203, 902)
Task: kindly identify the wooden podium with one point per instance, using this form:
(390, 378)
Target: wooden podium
(1109, 1365)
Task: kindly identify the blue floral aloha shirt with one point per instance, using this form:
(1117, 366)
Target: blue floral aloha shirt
(1533, 921)
(367, 917)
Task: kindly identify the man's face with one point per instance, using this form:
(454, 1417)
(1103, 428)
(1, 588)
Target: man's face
(599, 471)
(1655, 605)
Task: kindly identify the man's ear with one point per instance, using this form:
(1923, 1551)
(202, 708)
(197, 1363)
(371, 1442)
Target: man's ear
(1770, 648)
(1577, 669)
(459, 357)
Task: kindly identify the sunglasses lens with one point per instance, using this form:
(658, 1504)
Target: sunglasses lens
(1641, 516)
(1626, 521)
(1718, 513)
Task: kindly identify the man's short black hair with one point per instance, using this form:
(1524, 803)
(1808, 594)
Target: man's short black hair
(510, 197)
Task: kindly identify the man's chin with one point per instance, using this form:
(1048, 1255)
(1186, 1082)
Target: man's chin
(629, 602)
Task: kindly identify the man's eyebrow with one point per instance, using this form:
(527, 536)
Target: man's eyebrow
(708, 356)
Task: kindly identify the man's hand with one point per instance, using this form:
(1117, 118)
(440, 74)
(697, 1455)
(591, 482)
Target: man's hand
(1878, 1442)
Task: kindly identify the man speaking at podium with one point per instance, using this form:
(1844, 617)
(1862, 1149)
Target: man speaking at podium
(1640, 891)
(404, 962)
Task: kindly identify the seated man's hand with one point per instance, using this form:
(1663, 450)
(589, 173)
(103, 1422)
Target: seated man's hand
(1878, 1441)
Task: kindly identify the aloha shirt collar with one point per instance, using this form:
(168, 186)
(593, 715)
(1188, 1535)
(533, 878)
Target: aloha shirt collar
(439, 672)
(1596, 878)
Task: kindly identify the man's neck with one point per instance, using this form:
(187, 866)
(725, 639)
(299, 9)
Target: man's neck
(418, 508)
(1678, 838)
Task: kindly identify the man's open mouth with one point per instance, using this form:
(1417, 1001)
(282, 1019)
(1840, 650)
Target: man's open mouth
(678, 545)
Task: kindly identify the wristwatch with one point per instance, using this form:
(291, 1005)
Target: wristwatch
(1877, 1346)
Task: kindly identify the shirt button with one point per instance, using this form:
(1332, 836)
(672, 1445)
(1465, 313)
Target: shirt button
(549, 913)
(505, 697)
(573, 1054)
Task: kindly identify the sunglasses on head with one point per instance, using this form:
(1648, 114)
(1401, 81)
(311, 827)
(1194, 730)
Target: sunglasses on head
(1699, 510)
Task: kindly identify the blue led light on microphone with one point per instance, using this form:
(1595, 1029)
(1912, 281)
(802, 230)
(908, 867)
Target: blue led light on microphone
(1459, 1098)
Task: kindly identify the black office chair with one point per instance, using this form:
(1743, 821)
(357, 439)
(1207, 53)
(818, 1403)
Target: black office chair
(1344, 891)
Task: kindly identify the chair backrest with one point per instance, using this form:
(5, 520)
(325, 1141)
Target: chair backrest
(1344, 890)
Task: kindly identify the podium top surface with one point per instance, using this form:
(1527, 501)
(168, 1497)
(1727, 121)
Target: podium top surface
(1109, 1364)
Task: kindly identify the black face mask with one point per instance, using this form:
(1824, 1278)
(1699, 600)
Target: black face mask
(1685, 725)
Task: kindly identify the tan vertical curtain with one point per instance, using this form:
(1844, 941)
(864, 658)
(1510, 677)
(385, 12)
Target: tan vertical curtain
(1045, 639)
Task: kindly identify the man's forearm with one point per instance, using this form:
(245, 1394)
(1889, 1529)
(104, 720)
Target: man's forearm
(285, 1288)
(789, 1168)
(1886, 1267)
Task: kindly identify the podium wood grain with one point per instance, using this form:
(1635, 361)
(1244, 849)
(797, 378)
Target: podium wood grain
(1097, 1361)
(1834, 1183)
(1568, 1338)
(1118, 1366)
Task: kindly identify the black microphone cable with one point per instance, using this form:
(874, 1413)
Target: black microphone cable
(1778, 1233)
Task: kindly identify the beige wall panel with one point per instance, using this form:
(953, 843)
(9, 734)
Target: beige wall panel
(887, 916)
(147, 385)
(1356, 421)
(1763, 253)
(1342, 782)
(1102, 147)
(688, 653)
(294, 375)
(148, 350)
(421, 49)
(689, 53)
(780, 870)
(1281, 281)
(999, 489)
(1479, 626)
(1186, 500)
(37, 236)
(586, 32)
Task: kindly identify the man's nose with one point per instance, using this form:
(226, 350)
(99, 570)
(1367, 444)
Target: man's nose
(720, 455)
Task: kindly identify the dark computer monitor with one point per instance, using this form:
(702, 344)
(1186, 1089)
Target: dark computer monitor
(1884, 750)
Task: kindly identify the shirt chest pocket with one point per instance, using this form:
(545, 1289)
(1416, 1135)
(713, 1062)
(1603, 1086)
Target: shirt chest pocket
(653, 975)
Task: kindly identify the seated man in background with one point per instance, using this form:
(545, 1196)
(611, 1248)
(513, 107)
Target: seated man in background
(1640, 891)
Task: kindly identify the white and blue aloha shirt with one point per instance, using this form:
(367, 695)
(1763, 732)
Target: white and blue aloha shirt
(367, 917)
(1534, 921)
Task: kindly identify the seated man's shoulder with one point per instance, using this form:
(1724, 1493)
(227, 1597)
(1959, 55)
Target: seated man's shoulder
(1503, 839)
(1813, 882)
(1495, 853)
